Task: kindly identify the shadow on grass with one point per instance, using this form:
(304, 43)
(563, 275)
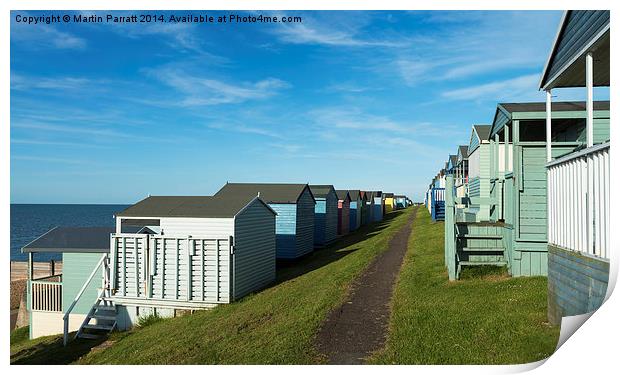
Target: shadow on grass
(287, 270)
(50, 351)
(485, 272)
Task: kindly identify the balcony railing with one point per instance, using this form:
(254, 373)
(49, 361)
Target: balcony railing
(46, 294)
(578, 200)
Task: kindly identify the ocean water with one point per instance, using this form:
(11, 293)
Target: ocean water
(29, 221)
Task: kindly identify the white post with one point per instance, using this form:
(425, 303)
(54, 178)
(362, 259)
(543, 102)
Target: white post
(548, 110)
(590, 142)
(589, 100)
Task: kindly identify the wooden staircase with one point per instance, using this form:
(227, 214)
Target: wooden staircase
(100, 321)
(479, 244)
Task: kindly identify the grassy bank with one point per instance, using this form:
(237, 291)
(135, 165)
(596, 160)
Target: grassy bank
(485, 318)
(274, 326)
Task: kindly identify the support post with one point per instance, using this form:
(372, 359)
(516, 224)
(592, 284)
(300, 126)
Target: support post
(590, 142)
(589, 99)
(548, 123)
(449, 240)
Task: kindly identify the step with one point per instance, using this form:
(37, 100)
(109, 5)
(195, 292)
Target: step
(480, 236)
(98, 326)
(103, 317)
(482, 249)
(468, 263)
(89, 336)
(106, 308)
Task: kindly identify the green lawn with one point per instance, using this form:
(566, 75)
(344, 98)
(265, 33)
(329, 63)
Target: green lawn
(485, 318)
(275, 326)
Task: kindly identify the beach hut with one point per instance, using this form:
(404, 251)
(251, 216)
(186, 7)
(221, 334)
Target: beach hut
(389, 202)
(479, 173)
(376, 204)
(294, 204)
(49, 300)
(401, 201)
(578, 240)
(365, 211)
(462, 172)
(344, 202)
(355, 210)
(325, 214)
(522, 186)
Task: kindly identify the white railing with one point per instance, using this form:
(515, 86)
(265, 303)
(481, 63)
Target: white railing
(578, 201)
(46, 295)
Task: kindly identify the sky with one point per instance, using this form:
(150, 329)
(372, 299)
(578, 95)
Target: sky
(112, 113)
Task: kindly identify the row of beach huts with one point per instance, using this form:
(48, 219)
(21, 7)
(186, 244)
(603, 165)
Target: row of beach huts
(530, 191)
(171, 254)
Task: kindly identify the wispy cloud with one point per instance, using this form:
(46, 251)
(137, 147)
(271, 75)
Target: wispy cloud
(511, 89)
(244, 129)
(203, 91)
(20, 82)
(43, 35)
(46, 159)
(341, 30)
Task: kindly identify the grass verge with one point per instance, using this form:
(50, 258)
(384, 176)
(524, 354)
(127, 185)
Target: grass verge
(484, 318)
(274, 326)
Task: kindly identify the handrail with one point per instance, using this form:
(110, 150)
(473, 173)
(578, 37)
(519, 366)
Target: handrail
(65, 318)
(578, 154)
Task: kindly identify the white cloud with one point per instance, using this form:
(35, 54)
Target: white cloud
(509, 89)
(344, 29)
(43, 36)
(19, 82)
(202, 91)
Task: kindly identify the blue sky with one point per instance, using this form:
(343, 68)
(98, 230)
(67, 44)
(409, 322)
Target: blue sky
(109, 113)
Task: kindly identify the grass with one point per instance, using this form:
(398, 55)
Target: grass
(275, 326)
(484, 318)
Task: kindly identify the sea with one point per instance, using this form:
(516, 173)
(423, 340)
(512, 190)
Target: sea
(29, 221)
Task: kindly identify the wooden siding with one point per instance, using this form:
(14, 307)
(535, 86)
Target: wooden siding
(355, 215)
(474, 164)
(343, 216)
(76, 269)
(171, 268)
(197, 227)
(581, 28)
(255, 249)
(377, 210)
(304, 232)
(286, 227)
(326, 219)
(577, 283)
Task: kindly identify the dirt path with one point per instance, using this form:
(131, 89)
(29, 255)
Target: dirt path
(359, 327)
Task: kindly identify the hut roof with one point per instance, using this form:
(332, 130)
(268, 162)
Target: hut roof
(599, 105)
(189, 206)
(321, 191)
(269, 193)
(343, 194)
(355, 193)
(72, 240)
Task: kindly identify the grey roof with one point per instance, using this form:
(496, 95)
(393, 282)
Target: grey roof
(355, 193)
(188, 206)
(72, 240)
(388, 195)
(599, 105)
(269, 193)
(483, 131)
(580, 32)
(342, 194)
(321, 191)
(463, 150)
(453, 159)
